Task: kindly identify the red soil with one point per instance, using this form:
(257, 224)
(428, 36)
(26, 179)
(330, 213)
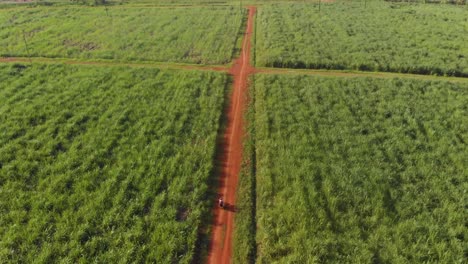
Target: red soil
(221, 238)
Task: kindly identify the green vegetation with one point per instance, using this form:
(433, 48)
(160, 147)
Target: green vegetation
(105, 164)
(193, 35)
(424, 39)
(453, 2)
(360, 170)
(112, 164)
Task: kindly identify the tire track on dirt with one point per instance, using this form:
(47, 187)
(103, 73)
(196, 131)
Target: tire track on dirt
(223, 68)
(158, 65)
(220, 249)
(348, 74)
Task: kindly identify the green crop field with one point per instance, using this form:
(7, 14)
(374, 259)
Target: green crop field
(105, 164)
(193, 35)
(360, 170)
(118, 132)
(425, 39)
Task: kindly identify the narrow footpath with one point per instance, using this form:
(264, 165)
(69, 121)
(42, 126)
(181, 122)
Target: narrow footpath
(220, 249)
(109, 63)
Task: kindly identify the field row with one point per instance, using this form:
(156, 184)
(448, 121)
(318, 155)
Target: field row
(105, 164)
(355, 170)
(423, 39)
(192, 35)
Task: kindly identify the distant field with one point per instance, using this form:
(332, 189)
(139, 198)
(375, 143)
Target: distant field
(105, 164)
(193, 35)
(360, 170)
(424, 39)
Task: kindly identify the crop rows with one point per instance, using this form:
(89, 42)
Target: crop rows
(193, 35)
(360, 170)
(105, 164)
(423, 39)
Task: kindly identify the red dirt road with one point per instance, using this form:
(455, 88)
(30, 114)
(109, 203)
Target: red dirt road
(220, 249)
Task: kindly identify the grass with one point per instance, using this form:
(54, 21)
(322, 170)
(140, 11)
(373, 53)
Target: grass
(114, 164)
(191, 35)
(360, 170)
(417, 38)
(109, 164)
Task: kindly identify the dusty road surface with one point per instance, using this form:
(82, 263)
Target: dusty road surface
(220, 249)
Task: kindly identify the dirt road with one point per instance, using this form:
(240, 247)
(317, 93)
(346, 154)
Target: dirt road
(107, 63)
(221, 239)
